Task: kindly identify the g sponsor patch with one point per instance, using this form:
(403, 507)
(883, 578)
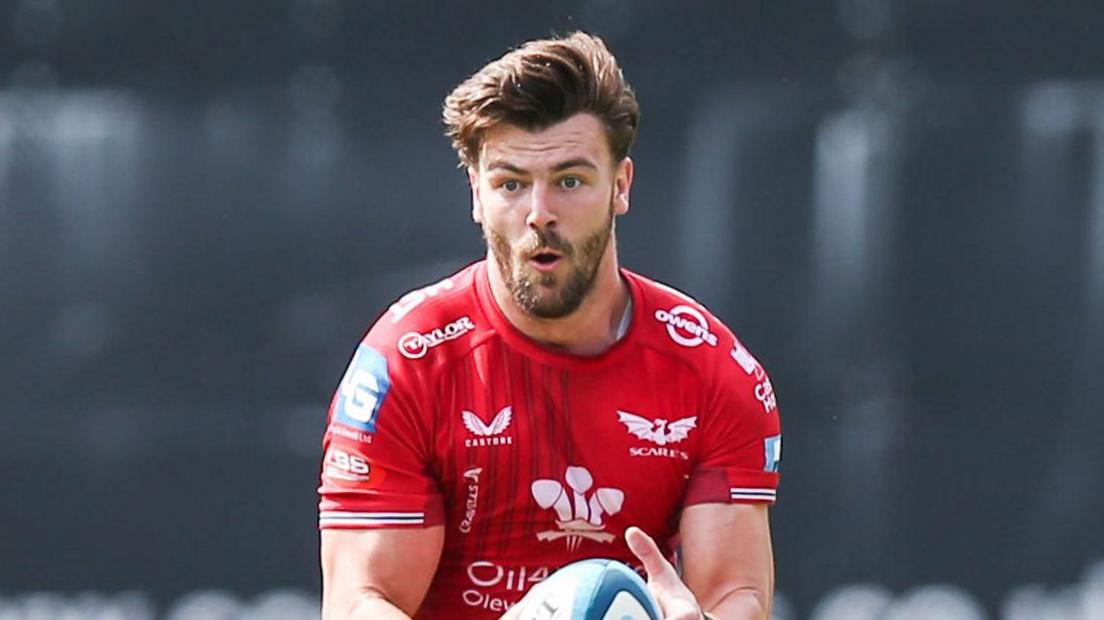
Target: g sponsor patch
(362, 390)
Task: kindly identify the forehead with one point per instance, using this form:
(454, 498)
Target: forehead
(581, 135)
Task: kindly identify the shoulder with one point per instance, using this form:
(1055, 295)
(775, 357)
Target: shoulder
(677, 322)
(679, 325)
(430, 322)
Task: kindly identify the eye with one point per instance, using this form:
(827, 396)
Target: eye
(510, 185)
(570, 182)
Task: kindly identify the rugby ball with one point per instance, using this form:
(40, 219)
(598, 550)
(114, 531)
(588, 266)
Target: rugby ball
(595, 589)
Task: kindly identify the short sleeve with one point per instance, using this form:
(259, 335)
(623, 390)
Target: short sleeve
(375, 469)
(741, 439)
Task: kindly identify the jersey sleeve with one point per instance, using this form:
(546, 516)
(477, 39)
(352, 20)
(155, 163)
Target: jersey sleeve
(375, 470)
(741, 439)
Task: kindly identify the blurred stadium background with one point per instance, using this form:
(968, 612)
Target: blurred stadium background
(899, 205)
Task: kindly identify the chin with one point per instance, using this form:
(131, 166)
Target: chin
(549, 314)
(537, 280)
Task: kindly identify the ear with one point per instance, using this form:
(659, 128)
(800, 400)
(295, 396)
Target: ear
(622, 183)
(477, 206)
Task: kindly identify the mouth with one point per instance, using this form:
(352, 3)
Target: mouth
(545, 260)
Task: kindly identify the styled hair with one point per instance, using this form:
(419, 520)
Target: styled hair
(539, 84)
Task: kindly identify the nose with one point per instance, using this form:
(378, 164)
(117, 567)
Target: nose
(541, 212)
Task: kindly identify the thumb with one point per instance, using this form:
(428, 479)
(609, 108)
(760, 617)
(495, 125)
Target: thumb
(645, 549)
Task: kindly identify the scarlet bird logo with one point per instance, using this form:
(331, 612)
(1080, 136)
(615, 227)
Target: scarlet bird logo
(658, 431)
(579, 513)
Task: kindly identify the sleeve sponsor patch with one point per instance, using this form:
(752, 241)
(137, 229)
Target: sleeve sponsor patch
(349, 468)
(772, 446)
(764, 391)
(363, 389)
(744, 358)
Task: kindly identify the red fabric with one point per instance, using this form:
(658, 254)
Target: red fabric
(525, 454)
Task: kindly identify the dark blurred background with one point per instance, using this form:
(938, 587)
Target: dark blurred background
(898, 205)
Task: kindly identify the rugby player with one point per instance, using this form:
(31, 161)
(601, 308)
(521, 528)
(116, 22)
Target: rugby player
(545, 405)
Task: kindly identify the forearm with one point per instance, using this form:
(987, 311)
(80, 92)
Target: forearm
(746, 604)
(363, 607)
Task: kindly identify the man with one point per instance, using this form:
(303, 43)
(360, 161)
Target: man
(545, 406)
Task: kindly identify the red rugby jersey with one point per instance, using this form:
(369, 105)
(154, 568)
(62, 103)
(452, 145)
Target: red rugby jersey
(530, 458)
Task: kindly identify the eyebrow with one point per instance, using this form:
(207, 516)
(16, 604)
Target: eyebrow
(577, 162)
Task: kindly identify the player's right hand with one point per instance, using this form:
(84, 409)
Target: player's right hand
(675, 599)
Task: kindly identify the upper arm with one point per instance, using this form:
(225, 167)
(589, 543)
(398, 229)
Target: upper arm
(725, 531)
(394, 564)
(727, 548)
(380, 507)
(741, 443)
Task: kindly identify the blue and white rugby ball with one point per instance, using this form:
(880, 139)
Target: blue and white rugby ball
(595, 589)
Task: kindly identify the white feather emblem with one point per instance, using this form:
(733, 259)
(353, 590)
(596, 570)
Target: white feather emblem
(500, 422)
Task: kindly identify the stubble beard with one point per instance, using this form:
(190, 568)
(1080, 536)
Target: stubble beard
(547, 295)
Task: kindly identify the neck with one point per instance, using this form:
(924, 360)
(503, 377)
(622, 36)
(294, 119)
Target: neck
(588, 331)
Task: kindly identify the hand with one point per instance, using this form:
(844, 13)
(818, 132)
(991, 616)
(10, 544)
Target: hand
(676, 601)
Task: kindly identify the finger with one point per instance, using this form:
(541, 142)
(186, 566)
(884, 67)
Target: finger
(646, 550)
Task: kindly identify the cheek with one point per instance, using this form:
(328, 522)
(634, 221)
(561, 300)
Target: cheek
(591, 216)
(502, 219)
(499, 232)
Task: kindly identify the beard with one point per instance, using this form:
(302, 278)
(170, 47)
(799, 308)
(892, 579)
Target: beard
(548, 295)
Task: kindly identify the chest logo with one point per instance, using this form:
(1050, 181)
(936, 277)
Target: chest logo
(488, 434)
(472, 476)
(658, 431)
(415, 345)
(686, 326)
(579, 507)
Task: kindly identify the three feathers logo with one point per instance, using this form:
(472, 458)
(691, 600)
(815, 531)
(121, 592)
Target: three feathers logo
(579, 510)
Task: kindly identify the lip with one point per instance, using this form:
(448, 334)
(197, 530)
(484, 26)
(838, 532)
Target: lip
(539, 266)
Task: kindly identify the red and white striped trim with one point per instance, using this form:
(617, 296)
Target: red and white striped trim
(335, 518)
(761, 494)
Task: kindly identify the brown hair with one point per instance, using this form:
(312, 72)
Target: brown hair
(538, 85)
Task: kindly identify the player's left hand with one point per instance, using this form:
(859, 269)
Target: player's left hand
(676, 601)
